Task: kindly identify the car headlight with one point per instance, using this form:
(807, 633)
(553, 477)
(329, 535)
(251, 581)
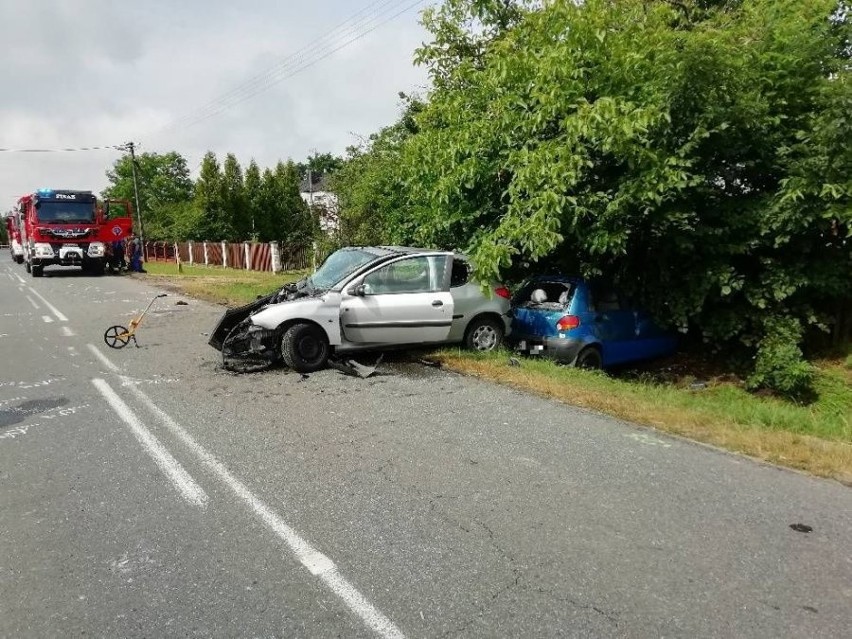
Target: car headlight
(43, 250)
(97, 249)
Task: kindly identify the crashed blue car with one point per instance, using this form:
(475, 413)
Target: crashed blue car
(574, 322)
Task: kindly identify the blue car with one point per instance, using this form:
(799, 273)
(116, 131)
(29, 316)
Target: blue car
(574, 322)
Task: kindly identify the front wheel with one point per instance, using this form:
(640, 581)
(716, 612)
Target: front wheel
(484, 334)
(37, 271)
(19, 259)
(116, 337)
(305, 348)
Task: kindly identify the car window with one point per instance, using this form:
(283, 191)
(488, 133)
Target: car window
(605, 298)
(460, 273)
(411, 275)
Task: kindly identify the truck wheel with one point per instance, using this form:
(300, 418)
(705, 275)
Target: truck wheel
(94, 267)
(19, 259)
(305, 348)
(37, 271)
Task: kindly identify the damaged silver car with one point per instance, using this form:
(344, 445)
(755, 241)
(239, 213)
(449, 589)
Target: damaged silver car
(366, 298)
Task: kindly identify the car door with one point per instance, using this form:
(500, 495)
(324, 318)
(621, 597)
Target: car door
(406, 301)
(615, 326)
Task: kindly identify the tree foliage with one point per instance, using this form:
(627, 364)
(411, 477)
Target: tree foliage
(695, 151)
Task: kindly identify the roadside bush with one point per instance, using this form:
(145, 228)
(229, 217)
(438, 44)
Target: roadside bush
(779, 365)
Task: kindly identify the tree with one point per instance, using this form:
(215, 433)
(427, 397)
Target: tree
(164, 188)
(695, 151)
(214, 222)
(254, 202)
(235, 199)
(319, 164)
(290, 217)
(370, 188)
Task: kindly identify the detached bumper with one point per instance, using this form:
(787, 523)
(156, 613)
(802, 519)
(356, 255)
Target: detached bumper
(563, 350)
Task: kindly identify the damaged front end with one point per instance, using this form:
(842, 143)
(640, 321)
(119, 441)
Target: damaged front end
(246, 347)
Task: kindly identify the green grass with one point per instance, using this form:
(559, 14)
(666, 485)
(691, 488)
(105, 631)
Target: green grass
(220, 285)
(816, 437)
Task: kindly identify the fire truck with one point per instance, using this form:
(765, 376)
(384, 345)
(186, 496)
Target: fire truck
(14, 234)
(69, 228)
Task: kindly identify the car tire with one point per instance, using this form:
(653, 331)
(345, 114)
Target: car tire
(484, 335)
(590, 358)
(19, 259)
(305, 348)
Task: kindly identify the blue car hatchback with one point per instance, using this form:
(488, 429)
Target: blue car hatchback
(574, 322)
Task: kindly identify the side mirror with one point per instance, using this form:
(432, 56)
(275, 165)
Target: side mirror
(359, 290)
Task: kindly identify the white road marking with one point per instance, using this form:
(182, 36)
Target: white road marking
(67, 332)
(181, 479)
(103, 359)
(316, 562)
(32, 301)
(647, 440)
(50, 306)
(47, 319)
(20, 279)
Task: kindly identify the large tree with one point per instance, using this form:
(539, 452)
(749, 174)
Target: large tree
(165, 189)
(696, 151)
(211, 199)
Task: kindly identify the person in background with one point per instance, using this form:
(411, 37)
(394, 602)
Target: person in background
(135, 247)
(117, 261)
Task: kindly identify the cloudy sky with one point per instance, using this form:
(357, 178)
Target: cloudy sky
(79, 73)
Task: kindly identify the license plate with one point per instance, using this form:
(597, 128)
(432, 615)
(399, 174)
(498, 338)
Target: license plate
(70, 246)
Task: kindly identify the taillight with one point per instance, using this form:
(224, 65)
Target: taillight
(567, 322)
(503, 292)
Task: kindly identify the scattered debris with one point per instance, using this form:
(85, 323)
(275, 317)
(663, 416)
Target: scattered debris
(514, 361)
(802, 528)
(303, 377)
(698, 386)
(181, 303)
(429, 362)
(355, 369)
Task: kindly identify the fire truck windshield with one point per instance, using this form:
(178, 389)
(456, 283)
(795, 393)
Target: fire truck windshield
(52, 212)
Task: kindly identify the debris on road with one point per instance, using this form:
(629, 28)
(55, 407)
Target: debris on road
(802, 528)
(355, 369)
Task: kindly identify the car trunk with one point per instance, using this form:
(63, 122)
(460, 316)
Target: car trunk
(538, 306)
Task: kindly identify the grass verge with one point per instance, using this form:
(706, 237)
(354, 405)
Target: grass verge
(219, 285)
(816, 438)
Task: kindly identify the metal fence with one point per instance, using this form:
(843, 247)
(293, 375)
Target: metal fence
(254, 256)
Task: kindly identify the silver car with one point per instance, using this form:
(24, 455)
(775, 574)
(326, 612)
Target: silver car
(368, 298)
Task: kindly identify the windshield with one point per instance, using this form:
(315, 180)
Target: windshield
(340, 265)
(66, 212)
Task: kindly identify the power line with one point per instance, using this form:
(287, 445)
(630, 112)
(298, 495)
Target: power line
(289, 67)
(62, 150)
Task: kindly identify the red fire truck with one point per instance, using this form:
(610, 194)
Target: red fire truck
(14, 234)
(68, 228)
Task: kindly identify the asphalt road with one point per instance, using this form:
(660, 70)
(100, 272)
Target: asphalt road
(147, 492)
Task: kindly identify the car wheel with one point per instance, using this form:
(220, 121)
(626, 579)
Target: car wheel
(590, 358)
(305, 348)
(484, 335)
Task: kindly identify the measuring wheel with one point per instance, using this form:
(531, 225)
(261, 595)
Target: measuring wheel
(117, 337)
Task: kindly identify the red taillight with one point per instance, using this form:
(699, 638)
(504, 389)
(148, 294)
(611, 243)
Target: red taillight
(567, 322)
(503, 292)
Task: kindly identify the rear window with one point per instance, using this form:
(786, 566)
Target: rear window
(544, 295)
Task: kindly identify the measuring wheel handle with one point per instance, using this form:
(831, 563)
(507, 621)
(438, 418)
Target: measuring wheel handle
(117, 337)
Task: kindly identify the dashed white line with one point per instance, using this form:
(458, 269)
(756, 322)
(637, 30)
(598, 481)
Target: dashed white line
(47, 319)
(50, 306)
(316, 562)
(181, 479)
(20, 279)
(32, 301)
(67, 332)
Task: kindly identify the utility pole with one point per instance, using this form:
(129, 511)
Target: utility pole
(130, 146)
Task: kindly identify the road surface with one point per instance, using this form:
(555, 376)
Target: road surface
(147, 492)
